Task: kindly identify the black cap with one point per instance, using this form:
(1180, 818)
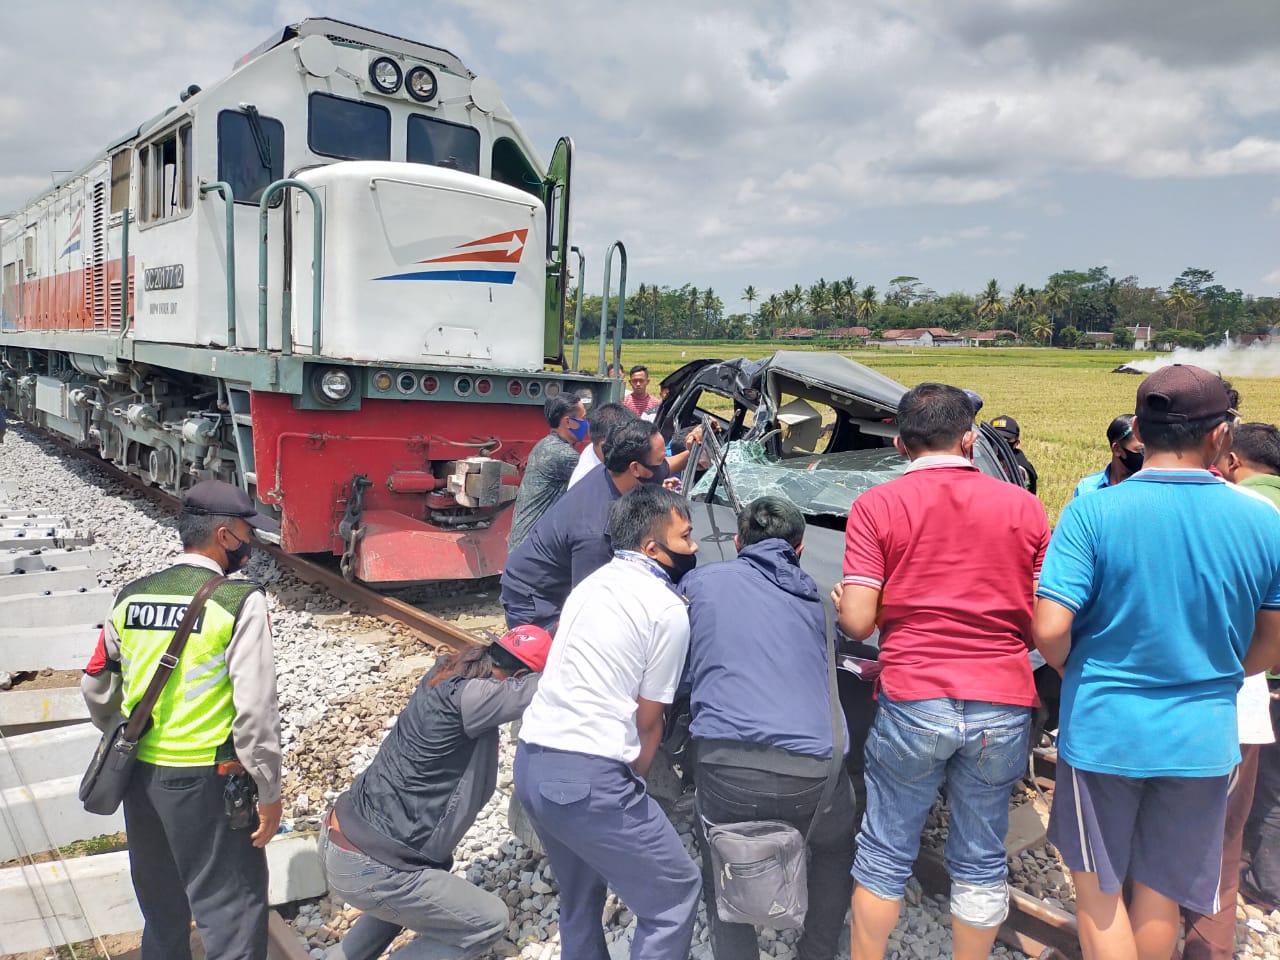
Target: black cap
(1180, 392)
(1007, 427)
(213, 498)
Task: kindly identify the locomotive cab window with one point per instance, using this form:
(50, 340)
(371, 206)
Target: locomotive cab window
(164, 188)
(119, 181)
(348, 129)
(510, 166)
(443, 144)
(250, 153)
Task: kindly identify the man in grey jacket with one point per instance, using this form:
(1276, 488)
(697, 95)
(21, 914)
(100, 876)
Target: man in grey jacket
(388, 843)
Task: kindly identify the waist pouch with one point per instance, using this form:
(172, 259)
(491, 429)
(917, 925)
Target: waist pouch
(759, 869)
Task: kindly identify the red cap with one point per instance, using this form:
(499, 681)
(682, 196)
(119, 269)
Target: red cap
(528, 644)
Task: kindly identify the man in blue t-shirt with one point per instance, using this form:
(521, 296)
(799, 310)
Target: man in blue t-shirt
(1126, 458)
(1156, 599)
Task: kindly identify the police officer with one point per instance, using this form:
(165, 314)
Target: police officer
(216, 719)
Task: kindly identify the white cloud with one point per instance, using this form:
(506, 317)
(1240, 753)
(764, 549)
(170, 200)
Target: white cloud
(818, 136)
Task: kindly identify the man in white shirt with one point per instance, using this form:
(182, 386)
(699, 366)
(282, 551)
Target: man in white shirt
(594, 726)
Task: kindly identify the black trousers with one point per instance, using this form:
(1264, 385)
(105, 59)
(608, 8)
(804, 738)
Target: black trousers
(1262, 832)
(186, 860)
(736, 794)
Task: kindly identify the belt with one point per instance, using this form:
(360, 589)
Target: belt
(337, 837)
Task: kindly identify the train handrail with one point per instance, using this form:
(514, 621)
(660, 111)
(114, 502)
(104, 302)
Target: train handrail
(604, 306)
(229, 200)
(317, 270)
(577, 317)
(124, 278)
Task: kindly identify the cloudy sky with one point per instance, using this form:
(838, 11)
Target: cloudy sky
(772, 142)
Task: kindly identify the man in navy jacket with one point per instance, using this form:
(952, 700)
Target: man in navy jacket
(761, 728)
(570, 541)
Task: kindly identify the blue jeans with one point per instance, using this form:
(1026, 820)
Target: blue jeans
(979, 750)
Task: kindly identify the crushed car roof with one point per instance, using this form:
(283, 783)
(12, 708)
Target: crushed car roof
(838, 373)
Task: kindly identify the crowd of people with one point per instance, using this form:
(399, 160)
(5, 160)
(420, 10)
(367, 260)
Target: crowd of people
(1151, 612)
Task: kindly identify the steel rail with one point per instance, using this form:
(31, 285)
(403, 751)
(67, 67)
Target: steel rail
(1035, 927)
(425, 626)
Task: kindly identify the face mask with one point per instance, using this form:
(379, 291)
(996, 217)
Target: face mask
(578, 429)
(680, 563)
(237, 558)
(657, 473)
(1132, 460)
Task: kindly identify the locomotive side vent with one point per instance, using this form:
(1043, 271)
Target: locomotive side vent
(96, 268)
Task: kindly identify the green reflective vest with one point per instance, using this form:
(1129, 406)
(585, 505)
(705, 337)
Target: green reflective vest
(193, 716)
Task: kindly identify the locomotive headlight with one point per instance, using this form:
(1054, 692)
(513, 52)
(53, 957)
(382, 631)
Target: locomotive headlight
(385, 74)
(421, 84)
(335, 385)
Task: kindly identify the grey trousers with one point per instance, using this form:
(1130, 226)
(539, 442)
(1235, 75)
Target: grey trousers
(186, 860)
(453, 919)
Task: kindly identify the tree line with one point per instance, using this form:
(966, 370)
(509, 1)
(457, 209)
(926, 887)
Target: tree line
(1192, 310)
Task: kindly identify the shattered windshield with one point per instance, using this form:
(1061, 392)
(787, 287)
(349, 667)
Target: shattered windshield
(819, 484)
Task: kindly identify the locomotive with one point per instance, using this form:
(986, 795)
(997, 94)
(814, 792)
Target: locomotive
(375, 377)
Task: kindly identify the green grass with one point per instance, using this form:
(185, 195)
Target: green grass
(1063, 399)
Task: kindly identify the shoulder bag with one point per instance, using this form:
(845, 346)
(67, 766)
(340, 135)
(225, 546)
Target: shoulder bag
(103, 786)
(760, 866)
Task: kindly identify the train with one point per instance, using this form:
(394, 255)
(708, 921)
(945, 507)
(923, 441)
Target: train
(336, 277)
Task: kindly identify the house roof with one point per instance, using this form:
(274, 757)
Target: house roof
(914, 333)
(983, 334)
(797, 332)
(1100, 335)
(1142, 333)
(840, 333)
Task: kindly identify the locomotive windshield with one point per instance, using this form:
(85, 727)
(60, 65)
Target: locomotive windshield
(348, 129)
(250, 153)
(443, 144)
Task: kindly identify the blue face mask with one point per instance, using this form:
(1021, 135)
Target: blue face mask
(579, 429)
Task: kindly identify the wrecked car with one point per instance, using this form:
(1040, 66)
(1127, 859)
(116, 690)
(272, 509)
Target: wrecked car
(814, 428)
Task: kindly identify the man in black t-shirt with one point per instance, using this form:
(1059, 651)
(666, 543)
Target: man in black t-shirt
(1008, 428)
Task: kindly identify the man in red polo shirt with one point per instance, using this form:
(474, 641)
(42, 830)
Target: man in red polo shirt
(943, 560)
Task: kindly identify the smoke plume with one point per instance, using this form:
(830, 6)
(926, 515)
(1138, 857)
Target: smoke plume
(1227, 359)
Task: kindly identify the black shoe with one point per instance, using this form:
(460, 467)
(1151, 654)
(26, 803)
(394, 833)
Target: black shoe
(1254, 895)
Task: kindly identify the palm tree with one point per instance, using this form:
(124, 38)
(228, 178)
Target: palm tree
(710, 308)
(818, 299)
(694, 302)
(1042, 328)
(1022, 301)
(751, 295)
(868, 302)
(791, 298)
(1183, 302)
(1056, 296)
(771, 311)
(990, 304)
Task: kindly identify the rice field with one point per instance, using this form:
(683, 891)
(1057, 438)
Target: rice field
(1063, 399)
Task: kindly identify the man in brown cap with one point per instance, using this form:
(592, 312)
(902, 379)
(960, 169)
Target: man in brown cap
(215, 732)
(1156, 598)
